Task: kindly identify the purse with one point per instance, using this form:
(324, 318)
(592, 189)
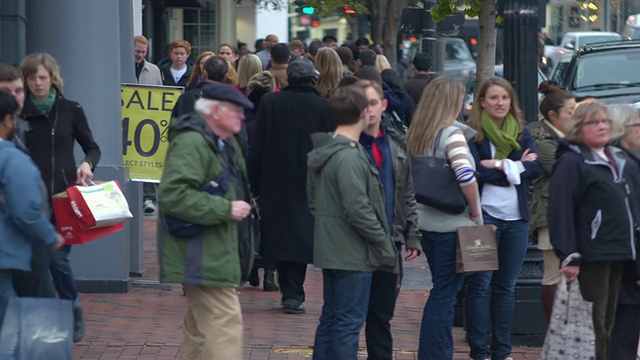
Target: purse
(570, 334)
(435, 184)
(476, 249)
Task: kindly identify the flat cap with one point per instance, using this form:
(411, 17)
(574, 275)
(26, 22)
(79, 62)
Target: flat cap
(224, 92)
(301, 68)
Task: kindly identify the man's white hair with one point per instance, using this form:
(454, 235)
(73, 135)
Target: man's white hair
(203, 106)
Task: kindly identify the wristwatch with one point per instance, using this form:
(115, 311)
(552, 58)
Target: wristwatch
(498, 164)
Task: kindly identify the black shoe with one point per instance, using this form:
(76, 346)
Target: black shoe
(254, 279)
(269, 283)
(293, 307)
(78, 325)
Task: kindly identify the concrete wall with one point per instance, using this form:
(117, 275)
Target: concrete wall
(246, 23)
(269, 21)
(91, 63)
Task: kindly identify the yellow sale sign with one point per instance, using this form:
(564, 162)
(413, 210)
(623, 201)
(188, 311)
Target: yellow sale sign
(146, 114)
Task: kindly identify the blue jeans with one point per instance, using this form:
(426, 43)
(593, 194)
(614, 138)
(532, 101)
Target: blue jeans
(346, 301)
(436, 340)
(6, 292)
(63, 276)
(491, 294)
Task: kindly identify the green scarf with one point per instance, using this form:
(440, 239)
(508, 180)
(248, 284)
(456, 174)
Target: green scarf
(45, 107)
(505, 141)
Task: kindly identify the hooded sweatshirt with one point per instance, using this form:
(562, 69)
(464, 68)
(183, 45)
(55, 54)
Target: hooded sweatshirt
(346, 197)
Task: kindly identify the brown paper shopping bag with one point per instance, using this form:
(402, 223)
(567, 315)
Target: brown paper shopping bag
(476, 249)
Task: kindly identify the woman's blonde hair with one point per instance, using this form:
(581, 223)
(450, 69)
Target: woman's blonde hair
(584, 111)
(230, 77)
(382, 62)
(329, 66)
(439, 106)
(248, 66)
(475, 118)
(29, 67)
(196, 72)
(621, 116)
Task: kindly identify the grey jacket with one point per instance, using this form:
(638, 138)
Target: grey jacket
(405, 217)
(432, 219)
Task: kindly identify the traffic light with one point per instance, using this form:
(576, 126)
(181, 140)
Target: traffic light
(348, 10)
(308, 10)
(315, 22)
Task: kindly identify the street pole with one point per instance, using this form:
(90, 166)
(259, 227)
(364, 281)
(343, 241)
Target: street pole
(430, 37)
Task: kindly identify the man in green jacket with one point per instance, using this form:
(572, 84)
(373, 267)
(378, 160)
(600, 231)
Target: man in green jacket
(204, 241)
(351, 231)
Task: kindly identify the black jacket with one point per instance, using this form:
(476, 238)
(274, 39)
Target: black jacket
(533, 169)
(51, 140)
(168, 80)
(590, 205)
(278, 169)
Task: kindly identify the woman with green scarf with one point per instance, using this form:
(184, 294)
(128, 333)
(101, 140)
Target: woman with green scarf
(507, 160)
(55, 124)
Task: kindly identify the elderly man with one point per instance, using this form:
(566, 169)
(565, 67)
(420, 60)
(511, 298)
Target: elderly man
(204, 239)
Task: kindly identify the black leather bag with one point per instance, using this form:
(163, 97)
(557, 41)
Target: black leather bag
(435, 184)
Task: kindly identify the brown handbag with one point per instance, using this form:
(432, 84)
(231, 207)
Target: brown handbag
(476, 249)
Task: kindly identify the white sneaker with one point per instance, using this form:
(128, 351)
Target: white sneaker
(149, 207)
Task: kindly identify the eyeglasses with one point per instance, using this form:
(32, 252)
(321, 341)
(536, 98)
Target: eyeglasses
(634, 125)
(596, 122)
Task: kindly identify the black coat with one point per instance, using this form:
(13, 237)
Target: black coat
(278, 169)
(168, 80)
(51, 139)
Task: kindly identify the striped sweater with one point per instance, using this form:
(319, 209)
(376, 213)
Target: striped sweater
(456, 150)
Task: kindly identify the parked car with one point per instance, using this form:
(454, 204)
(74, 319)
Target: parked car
(572, 41)
(606, 71)
(458, 62)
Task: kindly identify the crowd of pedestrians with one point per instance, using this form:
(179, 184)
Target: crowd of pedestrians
(319, 141)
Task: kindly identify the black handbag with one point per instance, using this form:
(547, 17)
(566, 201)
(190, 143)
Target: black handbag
(435, 184)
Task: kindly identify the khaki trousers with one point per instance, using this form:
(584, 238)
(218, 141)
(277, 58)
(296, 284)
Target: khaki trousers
(212, 324)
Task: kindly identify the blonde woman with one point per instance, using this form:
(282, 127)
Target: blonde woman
(435, 118)
(55, 125)
(248, 66)
(196, 74)
(329, 66)
(382, 63)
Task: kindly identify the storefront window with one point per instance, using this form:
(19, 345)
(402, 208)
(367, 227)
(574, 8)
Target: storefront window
(200, 29)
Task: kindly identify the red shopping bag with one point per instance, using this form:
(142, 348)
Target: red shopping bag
(69, 225)
(100, 204)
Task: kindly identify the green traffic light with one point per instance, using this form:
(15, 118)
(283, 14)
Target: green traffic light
(308, 10)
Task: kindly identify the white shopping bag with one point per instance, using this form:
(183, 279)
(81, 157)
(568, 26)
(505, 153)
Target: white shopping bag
(99, 205)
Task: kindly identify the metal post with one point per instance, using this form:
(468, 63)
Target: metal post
(61, 28)
(520, 68)
(430, 37)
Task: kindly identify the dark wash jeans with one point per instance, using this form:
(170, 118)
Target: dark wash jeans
(490, 295)
(63, 276)
(346, 300)
(436, 339)
(385, 288)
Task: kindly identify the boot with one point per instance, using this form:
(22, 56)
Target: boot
(78, 325)
(269, 283)
(547, 296)
(254, 279)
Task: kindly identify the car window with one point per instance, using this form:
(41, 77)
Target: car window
(621, 68)
(558, 71)
(457, 50)
(595, 39)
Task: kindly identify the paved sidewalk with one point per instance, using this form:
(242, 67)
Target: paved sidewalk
(147, 323)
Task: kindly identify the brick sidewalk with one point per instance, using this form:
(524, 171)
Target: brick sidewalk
(147, 323)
